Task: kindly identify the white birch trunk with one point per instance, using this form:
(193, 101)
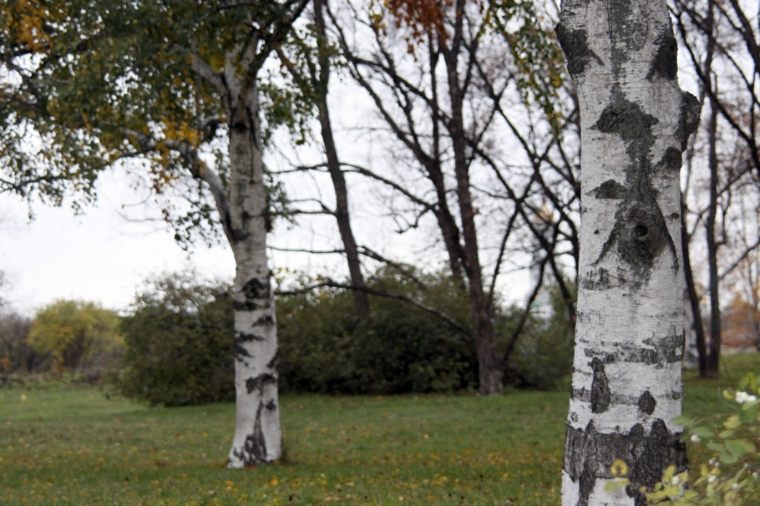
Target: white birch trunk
(258, 437)
(629, 334)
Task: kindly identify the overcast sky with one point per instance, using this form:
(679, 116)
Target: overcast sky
(97, 256)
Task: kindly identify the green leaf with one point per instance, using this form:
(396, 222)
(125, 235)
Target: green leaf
(732, 422)
(703, 432)
(739, 446)
(684, 421)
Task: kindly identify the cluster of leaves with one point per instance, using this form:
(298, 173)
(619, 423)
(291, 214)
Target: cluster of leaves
(731, 477)
(535, 52)
(86, 84)
(420, 16)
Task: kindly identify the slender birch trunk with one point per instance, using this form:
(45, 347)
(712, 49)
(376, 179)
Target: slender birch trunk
(629, 342)
(258, 438)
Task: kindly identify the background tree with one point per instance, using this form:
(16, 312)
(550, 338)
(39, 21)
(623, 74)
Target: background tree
(77, 334)
(635, 123)
(310, 64)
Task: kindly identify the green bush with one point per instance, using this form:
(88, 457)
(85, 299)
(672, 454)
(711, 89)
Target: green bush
(179, 344)
(400, 348)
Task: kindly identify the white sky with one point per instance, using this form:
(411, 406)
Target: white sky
(97, 256)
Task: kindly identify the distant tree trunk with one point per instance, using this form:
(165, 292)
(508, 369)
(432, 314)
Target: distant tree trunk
(342, 214)
(713, 357)
(490, 368)
(629, 333)
(692, 297)
(258, 438)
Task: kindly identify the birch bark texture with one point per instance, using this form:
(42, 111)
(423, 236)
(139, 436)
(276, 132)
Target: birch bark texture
(635, 122)
(258, 436)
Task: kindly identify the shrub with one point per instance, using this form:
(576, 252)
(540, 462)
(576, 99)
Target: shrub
(400, 348)
(179, 344)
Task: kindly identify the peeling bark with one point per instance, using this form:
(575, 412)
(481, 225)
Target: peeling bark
(629, 332)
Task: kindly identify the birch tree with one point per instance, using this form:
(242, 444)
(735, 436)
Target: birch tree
(176, 85)
(635, 122)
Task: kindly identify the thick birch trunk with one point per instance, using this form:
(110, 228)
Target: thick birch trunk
(258, 438)
(629, 333)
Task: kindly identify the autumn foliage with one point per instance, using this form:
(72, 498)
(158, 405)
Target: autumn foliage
(420, 16)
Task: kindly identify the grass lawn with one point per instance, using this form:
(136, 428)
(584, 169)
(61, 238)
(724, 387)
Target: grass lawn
(72, 445)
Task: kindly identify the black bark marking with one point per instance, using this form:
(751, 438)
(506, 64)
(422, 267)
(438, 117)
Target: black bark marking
(600, 389)
(254, 288)
(672, 159)
(271, 405)
(602, 279)
(255, 447)
(574, 44)
(589, 456)
(629, 32)
(240, 351)
(644, 236)
(668, 351)
(247, 337)
(628, 120)
(257, 382)
(640, 231)
(609, 190)
(665, 60)
(688, 118)
(647, 403)
(670, 347)
(584, 395)
(245, 305)
(272, 364)
(265, 321)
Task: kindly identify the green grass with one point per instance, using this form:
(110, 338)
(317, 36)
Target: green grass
(69, 445)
